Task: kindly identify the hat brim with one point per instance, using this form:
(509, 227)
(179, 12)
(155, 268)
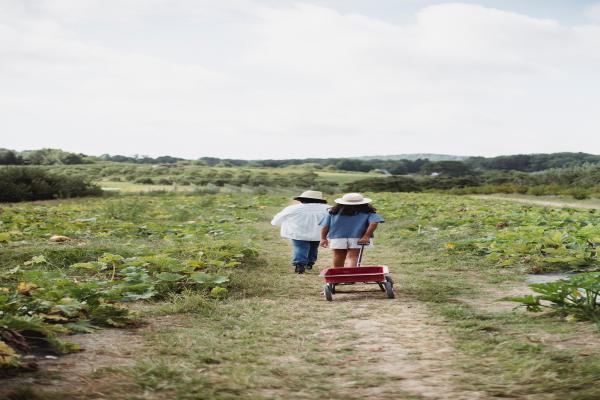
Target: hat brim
(309, 198)
(341, 201)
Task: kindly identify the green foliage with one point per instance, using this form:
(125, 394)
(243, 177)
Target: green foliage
(410, 184)
(28, 183)
(205, 180)
(10, 157)
(170, 245)
(447, 168)
(218, 292)
(51, 156)
(577, 297)
(533, 162)
(505, 234)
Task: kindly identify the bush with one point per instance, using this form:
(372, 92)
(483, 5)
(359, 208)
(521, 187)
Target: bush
(144, 181)
(29, 183)
(579, 193)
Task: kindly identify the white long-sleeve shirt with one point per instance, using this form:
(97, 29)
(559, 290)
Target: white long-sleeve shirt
(301, 221)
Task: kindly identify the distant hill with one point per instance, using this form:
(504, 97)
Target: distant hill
(415, 156)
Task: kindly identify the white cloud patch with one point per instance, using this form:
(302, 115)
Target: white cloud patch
(593, 12)
(243, 79)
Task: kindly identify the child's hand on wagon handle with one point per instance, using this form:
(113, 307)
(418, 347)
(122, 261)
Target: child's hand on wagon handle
(324, 241)
(364, 240)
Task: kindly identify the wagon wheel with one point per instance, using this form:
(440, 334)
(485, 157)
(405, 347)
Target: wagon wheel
(389, 290)
(389, 279)
(332, 288)
(327, 291)
(381, 286)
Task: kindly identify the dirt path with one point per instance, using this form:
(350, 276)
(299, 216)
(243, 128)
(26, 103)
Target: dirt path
(74, 373)
(392, 349)
(587, 204)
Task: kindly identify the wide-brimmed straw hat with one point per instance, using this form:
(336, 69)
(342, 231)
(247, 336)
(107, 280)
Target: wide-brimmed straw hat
(311, 194)
(353, 199)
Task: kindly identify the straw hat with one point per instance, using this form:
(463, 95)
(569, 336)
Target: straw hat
(311, 194)
(353, 199)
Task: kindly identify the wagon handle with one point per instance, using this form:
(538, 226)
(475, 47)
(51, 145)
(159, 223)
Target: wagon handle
(360, 254)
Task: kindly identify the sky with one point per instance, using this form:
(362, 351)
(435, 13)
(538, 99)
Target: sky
(295, 79)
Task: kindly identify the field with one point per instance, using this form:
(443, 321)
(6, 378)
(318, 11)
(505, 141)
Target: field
(188, 176)
(187, 296)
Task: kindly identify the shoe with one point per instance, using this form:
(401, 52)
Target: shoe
(309, 266)
(300, 269)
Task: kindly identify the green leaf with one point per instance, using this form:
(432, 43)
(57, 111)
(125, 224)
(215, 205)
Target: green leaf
(169, 277)
(36, 260)
(86, 265)
(109, 258)
(81, 326)
(4, 237)
(218, 292)
(200, 277)
(145, 295)
(220, 279)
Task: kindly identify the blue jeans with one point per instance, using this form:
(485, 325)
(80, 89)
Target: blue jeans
(305, 252)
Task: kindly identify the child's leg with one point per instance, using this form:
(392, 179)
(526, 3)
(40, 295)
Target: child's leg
(339, 257)
(313, 252)
(300, 254)
(352, 258)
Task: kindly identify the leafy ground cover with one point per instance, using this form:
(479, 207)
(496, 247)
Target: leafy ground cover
(274, 336)
(532, 238)
(576, 297)
(70, 267)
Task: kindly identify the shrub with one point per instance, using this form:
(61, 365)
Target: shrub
(145, 181)
(539, 190)
(30, 183)
(579, 193)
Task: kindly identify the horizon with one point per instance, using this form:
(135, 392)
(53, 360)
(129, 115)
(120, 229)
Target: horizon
(378, 156)
(258, 79)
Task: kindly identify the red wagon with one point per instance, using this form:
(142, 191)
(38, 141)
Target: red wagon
(374, 274)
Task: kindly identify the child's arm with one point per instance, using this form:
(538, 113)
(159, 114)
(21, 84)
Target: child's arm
(368, 233)
(280, 216)
(324, 232)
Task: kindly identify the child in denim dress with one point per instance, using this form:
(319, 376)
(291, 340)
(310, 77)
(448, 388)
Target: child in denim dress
(300, 223)
(349, 225)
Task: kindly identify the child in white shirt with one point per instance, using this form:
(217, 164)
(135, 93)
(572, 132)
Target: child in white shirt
(300, 223)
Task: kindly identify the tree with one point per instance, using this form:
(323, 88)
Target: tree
(447, 168)
(10, 157)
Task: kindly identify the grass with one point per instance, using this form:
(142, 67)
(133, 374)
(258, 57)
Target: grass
(503, 352)
(130, 187)
(498, 350)
(323, 177)
(559, 201)
(344, 177)
(275, 336)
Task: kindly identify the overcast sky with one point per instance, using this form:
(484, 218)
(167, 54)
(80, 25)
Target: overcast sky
(279, 79)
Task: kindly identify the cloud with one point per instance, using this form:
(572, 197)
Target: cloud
(593, 12)
(244, 79)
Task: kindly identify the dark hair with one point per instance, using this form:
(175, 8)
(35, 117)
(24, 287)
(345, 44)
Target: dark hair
(352, 210)
(306, 200)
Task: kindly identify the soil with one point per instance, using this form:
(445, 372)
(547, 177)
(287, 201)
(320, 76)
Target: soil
(87, 374)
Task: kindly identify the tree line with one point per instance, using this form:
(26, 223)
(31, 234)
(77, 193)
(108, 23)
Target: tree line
(423, 166)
